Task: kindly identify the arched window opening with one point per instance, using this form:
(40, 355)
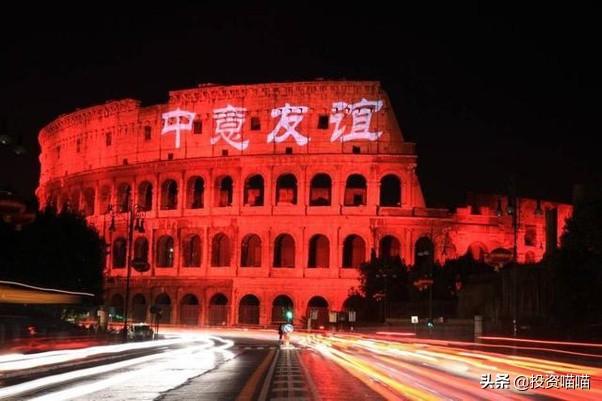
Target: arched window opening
(192, 251)
(223, 191)
(320, 192)
(141, 249)
(254, 191)
(165, 251)
(220, 251)
(169, 195)
(354, 251)
(89, 199)
(218, 310)
(319, 251)
(195, 193)
(281, 305)
(284, 251)
(355, 191)
(286, 190)
(248, 310)
(250, 255)
(189, 310)
(390, 191)
(145, 196)
(119, 252)
(390, 249)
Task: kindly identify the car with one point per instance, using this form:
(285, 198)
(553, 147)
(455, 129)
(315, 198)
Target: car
(140, 331)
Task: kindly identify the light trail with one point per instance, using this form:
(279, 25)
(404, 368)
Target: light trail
(14, 362)
(429, 370)
(195, 358)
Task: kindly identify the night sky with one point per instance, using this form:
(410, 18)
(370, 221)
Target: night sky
(485, 94)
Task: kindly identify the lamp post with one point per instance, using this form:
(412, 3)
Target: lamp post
(428, 281)
(384, 275)
(513, 210)
(135, 221)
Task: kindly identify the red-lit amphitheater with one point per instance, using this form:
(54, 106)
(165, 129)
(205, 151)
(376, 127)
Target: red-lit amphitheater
(257, 199)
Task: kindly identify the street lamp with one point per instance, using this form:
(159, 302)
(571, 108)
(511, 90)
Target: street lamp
(385, 276)
(429, 280)
(513, 210)
(135, 216)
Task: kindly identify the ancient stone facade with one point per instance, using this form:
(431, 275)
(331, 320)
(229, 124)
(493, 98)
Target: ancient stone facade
(258, 199)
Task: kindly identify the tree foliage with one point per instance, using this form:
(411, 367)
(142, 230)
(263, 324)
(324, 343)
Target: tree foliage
(58, 250)
(380, 277)
(576, 268)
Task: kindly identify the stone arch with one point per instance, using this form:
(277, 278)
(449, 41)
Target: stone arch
(139, 308)
(390, 248)
(478, 251)
(165, 251)
(254, 190)
(320, 193)
(145, 196)
(163, 303)
(248, 310)
(390, 191)
(356, 304)
(356, 190)
(119, 253)
(189, 310)
(284, 251)
(250, 251)
(319, 306)
(124, 197)
(286, 189)
(224, 191)
(354, 251)
(220, 250)
(105, 199)
(319, 251)
(89, 198)
(141, 248)
(218, 310)
(191, 251)
(117, 306)
(280, 306)
(424, 252)
(169, 194)
(195, 193)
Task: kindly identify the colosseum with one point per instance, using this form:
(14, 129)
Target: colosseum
(247, 201)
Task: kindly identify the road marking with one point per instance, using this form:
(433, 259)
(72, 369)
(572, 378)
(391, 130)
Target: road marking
(247, 392)
(290, 381)
(266, 383)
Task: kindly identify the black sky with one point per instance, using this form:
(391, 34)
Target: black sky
(485, 94)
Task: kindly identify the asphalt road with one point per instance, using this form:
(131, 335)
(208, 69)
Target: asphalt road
(253, 365)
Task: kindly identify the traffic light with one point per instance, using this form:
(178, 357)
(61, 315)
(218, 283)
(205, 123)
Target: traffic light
(289, 315)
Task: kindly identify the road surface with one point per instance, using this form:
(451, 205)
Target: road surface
(252, 365)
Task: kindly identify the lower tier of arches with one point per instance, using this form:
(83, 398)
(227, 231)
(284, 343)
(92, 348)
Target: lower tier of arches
(233, 302)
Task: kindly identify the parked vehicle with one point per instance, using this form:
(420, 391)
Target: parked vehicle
(140, 332)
